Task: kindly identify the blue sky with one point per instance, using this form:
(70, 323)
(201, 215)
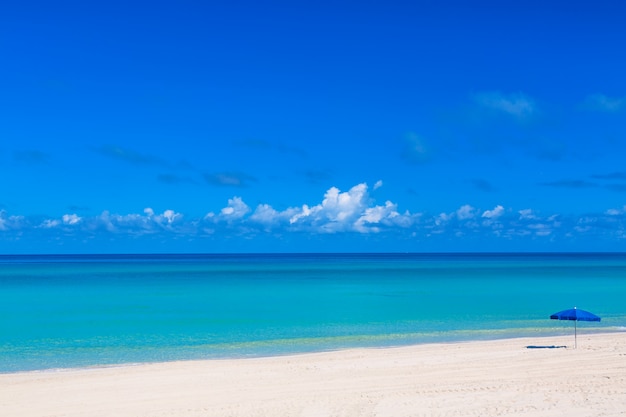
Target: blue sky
(312, 126)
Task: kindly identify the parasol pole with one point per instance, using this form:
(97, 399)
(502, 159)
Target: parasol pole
(575, 320)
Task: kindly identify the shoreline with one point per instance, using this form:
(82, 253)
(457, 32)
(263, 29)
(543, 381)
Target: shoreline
(434, 340)
(493, 377)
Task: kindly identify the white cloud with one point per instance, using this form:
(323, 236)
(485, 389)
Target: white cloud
(517, 105)
(616, 212)
(339, 206)
(553, 218)
(442, 218)
(526, 214)
(168, 217)
(381, 215)
(337, 211)
(131, 221)
(50, 224)
(582, 229)
(11, 222)
(378, 184)
(541, 229)
(135, 224)
(466, 212)
(265, 214)
(305, 212)
(66, 219)
(71, 219)
(495, 213)
(236, 209)
(106, 221)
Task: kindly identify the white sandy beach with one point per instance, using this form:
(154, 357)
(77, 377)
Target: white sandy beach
(490, 378)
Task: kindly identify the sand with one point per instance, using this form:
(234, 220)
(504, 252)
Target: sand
(486, 378)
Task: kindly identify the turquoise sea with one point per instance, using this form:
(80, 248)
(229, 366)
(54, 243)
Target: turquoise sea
(94, 310)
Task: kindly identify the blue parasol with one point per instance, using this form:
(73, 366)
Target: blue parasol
(575, 314)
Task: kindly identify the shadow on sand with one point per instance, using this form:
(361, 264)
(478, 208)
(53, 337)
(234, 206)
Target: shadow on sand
(545, 347)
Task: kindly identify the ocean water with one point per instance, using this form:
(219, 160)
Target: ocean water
(95, 310)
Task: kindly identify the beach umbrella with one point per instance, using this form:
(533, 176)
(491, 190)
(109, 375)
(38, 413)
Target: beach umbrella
(575, 314)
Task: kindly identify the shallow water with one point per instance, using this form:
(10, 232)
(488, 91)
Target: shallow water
(68, 311)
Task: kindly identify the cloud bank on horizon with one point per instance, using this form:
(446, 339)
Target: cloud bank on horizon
(353, 211)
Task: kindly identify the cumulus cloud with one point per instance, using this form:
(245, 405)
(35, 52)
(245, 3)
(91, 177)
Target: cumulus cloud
(168, 217)
(49, 224)
(71, 219)
(526, 214)
(458, 222)
(131, 223)
(442, 218)
(493, 214)
(541, 229)
(11, 222)
(236, 209)
(347, 211)
(341, 206)
(387, 215)
(466, 212)
(265, 215)
(66, 220)
(516, 105)
(337, 211)
(351, 211)
(136, 224)
(616, 212)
